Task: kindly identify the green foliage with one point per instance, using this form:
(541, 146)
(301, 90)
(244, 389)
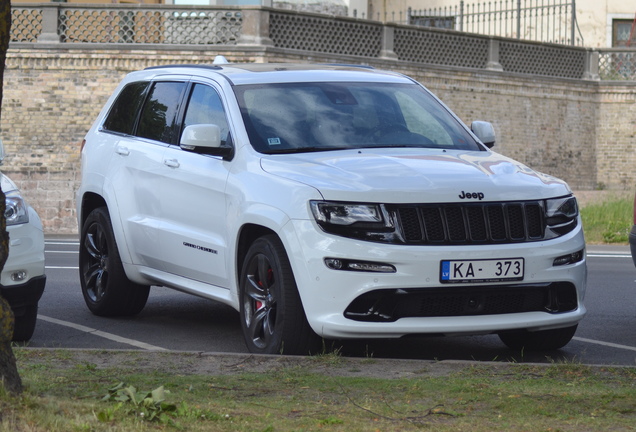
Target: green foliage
(616, 232)
(149, 406)
(608, 222)
(331, 421)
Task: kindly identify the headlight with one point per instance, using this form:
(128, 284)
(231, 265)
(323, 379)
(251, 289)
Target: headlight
(363, 221)
(562, 207)
(561, 214)
(16, 211)
(346, 213)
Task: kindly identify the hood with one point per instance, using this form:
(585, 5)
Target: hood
(415, 176)
(7, 184)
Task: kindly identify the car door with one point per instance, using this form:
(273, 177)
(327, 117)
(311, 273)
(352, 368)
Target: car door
(137, 167)
(193, 204)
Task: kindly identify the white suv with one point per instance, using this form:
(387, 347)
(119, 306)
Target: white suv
(22, 280)
(322, 202)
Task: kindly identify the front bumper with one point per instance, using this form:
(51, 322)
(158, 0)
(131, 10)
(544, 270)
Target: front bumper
(21, 297)
(632, 243)
(22, 279)
(327, 294)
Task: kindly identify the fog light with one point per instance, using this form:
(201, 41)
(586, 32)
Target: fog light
(19, 275)
(568, 259)
(362, 266)
(334, 264)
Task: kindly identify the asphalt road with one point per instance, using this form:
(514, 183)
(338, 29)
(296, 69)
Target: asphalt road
(176, 321)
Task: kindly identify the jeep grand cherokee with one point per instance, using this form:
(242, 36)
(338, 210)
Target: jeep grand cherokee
(322, 202)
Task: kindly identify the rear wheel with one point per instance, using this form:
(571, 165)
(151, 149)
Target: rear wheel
(545, 340)
(106, 289)
(272, 316)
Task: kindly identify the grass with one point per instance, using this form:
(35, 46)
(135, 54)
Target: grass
(608, 222)
(62, 396)
(66, 392)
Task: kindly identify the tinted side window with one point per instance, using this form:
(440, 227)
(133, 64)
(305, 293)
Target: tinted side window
(123, 114)
(205, 107)
(158, 116)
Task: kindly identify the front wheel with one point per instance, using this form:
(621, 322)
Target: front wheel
(272, 316)
(544, 340)
(106, 289)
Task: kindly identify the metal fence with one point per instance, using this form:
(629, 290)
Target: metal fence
(617, 64)
(121, 24)
(74, 25)
(551, 21)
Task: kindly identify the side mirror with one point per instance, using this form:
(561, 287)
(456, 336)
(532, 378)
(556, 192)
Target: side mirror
(201, 135)
(205, 139)
(485, 132)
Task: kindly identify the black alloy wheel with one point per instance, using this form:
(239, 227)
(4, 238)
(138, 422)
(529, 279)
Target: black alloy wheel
(272, 315)
(106, 289)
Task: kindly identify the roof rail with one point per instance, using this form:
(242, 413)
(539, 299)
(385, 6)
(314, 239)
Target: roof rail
(349, 65)
(199, 66)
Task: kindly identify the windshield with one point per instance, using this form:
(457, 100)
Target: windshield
(302, 117)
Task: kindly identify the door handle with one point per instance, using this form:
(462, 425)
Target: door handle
(121, 150)
(172, 163)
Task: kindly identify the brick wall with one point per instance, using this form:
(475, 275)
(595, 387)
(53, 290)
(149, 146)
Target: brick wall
(581, 131)
(616, 137)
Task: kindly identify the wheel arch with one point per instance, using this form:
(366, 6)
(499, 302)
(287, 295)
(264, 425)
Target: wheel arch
(90, 201)
(247, 235)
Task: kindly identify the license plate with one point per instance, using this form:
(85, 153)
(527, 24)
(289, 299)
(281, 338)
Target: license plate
(489, 270)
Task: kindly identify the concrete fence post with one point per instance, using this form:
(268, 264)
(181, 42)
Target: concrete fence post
(388, 43)
(50, 20)
(591, 66)
(255, 28)
(493, 56)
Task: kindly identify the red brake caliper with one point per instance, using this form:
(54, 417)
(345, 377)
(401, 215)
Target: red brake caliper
(258, 303)
(270, 278)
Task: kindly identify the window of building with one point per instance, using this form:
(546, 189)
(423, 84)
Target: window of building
(623, 33)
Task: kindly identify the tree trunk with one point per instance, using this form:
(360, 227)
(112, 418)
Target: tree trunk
(8, 370)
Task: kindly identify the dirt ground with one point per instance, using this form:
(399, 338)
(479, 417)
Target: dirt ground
(219, 364)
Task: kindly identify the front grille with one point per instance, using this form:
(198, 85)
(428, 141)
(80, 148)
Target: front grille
(392, 304)
(508, 222)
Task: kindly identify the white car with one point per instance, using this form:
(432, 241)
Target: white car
(322, 202)
(22, 279)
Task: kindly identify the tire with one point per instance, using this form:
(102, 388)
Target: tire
(272, 316)
(545, 340)
(106, 289)
(25, 324)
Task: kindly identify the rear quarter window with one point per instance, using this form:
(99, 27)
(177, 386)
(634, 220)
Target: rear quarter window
(125, 109)
(159, 114)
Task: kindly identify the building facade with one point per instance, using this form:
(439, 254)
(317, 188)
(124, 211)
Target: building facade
(600, 23)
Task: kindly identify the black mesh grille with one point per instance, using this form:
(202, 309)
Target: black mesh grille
(391, 305)
(508, 222)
